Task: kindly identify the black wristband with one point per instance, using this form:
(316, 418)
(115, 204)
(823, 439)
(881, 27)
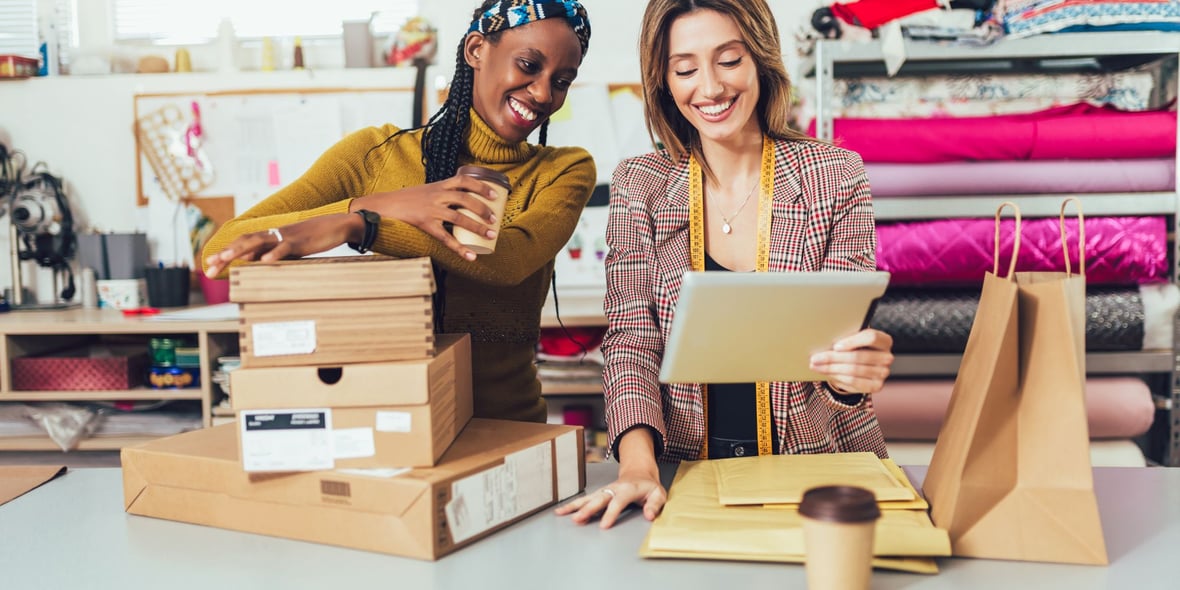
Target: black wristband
(372, 222)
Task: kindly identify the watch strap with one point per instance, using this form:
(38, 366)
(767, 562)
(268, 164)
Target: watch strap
(372, 222)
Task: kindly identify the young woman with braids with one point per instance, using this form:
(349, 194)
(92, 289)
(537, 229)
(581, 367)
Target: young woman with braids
(513, 70)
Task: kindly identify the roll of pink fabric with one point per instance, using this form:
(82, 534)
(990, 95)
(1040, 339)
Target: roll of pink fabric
(1079, 131)
(1119, 250)
(913, 409)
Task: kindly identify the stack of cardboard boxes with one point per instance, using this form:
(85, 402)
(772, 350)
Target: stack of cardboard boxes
(354, 423)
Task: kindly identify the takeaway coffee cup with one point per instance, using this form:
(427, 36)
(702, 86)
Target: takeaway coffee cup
(499, 183)
(838, 527)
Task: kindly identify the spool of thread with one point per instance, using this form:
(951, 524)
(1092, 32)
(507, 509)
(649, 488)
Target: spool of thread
(89, 288)
(268, 54)
(298, 63)
(183, 61)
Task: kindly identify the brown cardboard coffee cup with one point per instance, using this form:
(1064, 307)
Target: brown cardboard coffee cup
(838, 527)
(481, 244)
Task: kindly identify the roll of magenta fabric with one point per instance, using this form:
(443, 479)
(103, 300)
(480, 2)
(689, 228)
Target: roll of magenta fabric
(1079, 131)
(1119, 250)
(1021, 177)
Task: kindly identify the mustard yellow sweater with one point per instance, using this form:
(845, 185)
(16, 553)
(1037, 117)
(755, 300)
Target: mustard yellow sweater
(498, 297)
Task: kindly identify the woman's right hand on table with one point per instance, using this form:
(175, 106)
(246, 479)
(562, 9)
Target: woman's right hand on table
(638, 483)
(428, 206)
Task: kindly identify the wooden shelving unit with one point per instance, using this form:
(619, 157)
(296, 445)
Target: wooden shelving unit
(26, 333)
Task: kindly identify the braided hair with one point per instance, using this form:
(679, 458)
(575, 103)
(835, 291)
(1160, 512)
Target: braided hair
(446, 131)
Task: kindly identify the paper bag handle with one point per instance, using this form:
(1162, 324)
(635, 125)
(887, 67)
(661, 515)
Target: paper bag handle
(1081, 237)
(1015, 241)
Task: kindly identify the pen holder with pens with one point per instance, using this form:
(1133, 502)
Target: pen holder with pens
(167, 286)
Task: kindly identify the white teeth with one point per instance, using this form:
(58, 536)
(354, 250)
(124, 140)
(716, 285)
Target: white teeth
(716, 109)
(520, 109)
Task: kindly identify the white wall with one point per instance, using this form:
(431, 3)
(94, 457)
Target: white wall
(82, 125)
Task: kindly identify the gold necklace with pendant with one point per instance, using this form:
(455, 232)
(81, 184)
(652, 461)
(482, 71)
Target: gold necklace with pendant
(727, 227)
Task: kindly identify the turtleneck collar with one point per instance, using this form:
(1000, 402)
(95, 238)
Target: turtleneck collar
(489, 148)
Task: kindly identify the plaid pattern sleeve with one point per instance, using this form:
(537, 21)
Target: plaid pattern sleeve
(840, 213)
(633, 344)
(853, 241)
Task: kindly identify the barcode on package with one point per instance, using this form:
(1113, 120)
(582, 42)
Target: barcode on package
(287, 440)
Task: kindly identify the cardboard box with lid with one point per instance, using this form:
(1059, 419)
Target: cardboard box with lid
(318, 311)
(397, 413)
(496, 473)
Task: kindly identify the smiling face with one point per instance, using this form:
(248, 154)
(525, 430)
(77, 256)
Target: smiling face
(523, 78)
(712, 77)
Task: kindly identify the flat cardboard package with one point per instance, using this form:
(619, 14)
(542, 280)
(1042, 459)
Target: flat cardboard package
(496, 473)
(403, 413)
(317, 311)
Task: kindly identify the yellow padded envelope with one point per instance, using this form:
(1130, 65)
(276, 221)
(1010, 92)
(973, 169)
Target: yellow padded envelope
(694, 524)
(782, 479)
(918, 503)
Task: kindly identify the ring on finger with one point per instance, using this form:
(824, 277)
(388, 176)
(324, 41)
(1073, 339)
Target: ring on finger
(274, 231)
(608, 492)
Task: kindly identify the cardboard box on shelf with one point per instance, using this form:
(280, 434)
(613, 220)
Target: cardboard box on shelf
(403, 413)
(319, 311)
(81, 369)
(496, 473)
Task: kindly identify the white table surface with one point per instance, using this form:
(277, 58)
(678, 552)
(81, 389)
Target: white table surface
(73, 533)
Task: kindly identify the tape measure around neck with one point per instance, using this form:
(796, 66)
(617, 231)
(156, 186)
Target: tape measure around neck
(696, 241)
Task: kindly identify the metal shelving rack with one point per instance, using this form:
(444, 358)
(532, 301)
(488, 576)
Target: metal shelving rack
(1011, 54)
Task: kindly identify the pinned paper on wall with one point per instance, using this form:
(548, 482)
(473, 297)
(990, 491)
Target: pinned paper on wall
(258, 141)
(581, 121)
(565, 113)
(606, 120)
(582, 263)
(626, 105)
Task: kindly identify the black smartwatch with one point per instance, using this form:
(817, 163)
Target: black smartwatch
(372, 222)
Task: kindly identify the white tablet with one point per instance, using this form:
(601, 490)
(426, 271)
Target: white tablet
(737, 327)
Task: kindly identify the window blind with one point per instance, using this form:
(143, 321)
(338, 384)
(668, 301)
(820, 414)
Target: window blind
(18, 28)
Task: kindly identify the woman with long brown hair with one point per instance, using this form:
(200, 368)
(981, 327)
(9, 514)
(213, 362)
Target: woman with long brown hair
(756, 196)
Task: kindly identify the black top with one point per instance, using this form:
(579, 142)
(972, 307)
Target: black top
(732, 406)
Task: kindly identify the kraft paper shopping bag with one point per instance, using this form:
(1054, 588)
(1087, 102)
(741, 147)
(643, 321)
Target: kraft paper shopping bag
(1011, 477)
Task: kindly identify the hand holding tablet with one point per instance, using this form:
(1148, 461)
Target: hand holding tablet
(742, 327)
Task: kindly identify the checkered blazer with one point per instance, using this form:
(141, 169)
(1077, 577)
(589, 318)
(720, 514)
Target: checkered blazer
(822, 220)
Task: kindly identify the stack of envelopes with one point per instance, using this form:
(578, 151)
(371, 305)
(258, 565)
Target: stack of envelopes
(746, 509)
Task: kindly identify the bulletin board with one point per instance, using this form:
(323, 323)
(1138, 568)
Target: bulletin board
(607, 120)
(248, 144)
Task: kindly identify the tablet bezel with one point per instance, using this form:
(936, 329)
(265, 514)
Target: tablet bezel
(731, 327)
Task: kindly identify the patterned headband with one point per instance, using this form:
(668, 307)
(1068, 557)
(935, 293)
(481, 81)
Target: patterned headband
(508, 14)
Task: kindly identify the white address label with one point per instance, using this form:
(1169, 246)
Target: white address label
(283, 338)
(485, 500)
(287, 440)
(388, 421)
